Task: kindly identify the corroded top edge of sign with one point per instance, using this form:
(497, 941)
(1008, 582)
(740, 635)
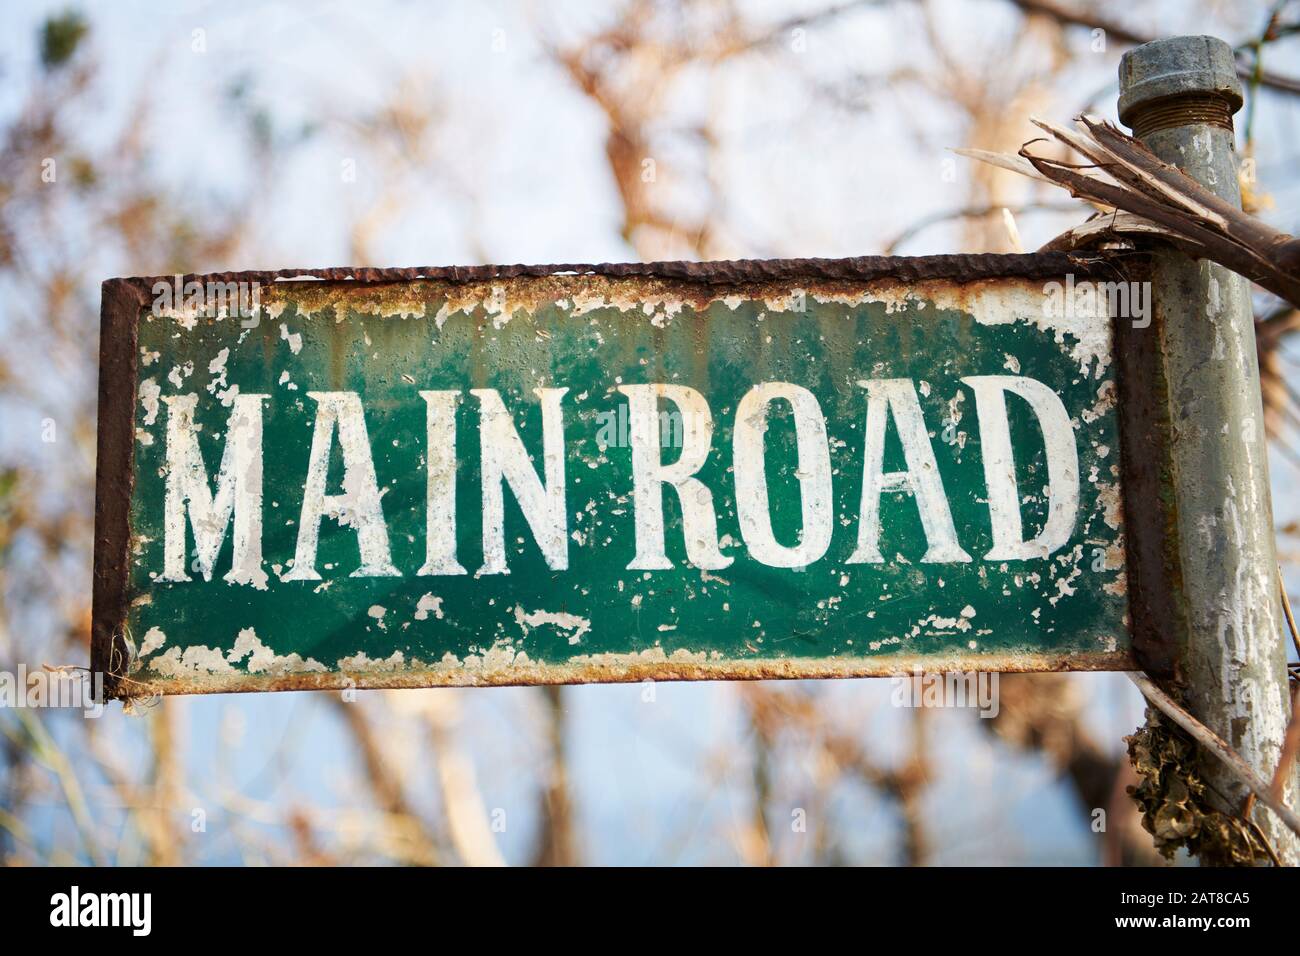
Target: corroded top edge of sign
(859, 268)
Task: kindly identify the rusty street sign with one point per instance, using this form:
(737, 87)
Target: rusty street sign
(817, 468)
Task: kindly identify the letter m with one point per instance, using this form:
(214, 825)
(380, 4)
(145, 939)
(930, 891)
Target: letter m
(223, 297)
(238, 494)
(1115, 297)
(115, 909)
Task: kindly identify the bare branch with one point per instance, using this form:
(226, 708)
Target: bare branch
(1117, 31)
(972, 212)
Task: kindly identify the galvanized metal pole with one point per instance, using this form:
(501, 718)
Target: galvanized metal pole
(1178, 95)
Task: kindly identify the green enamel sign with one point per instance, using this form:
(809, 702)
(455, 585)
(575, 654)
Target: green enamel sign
(520, 476)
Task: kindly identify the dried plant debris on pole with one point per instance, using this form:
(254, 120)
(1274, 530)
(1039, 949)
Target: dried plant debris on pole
(1140, 195)
(1173, 800)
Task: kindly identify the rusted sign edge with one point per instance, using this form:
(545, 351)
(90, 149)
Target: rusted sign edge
(124, 298)
(1156, 619)
(958, 268)
(119, 316)
(623, 672)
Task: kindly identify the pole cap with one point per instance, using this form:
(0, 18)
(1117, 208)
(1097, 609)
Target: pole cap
(1177, 66)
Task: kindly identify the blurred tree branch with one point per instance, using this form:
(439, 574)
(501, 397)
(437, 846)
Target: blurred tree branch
(1070, 16)
(557, 843)
(1043, 713)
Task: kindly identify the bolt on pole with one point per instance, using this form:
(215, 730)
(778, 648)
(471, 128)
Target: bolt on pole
(1178, 95)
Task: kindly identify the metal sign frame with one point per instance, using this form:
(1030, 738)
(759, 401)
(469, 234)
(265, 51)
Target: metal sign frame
(122, 305)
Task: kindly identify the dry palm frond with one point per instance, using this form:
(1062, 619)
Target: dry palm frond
(1151, 197)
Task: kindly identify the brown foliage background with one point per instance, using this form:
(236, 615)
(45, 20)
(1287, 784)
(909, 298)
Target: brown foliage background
(711, 129)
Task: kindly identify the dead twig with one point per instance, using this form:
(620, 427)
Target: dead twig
(1286, 608)
(1290, 742)
(1123, 174)
(1290, 746)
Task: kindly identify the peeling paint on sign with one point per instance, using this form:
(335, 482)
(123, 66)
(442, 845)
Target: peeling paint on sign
(580, 477)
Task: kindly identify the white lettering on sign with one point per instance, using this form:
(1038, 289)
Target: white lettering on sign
(506, 462)
(921, 479)
(358, 507)
(239, 492)
(440, 496)
(649, 475)
(1000, 467)
(814, 474)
